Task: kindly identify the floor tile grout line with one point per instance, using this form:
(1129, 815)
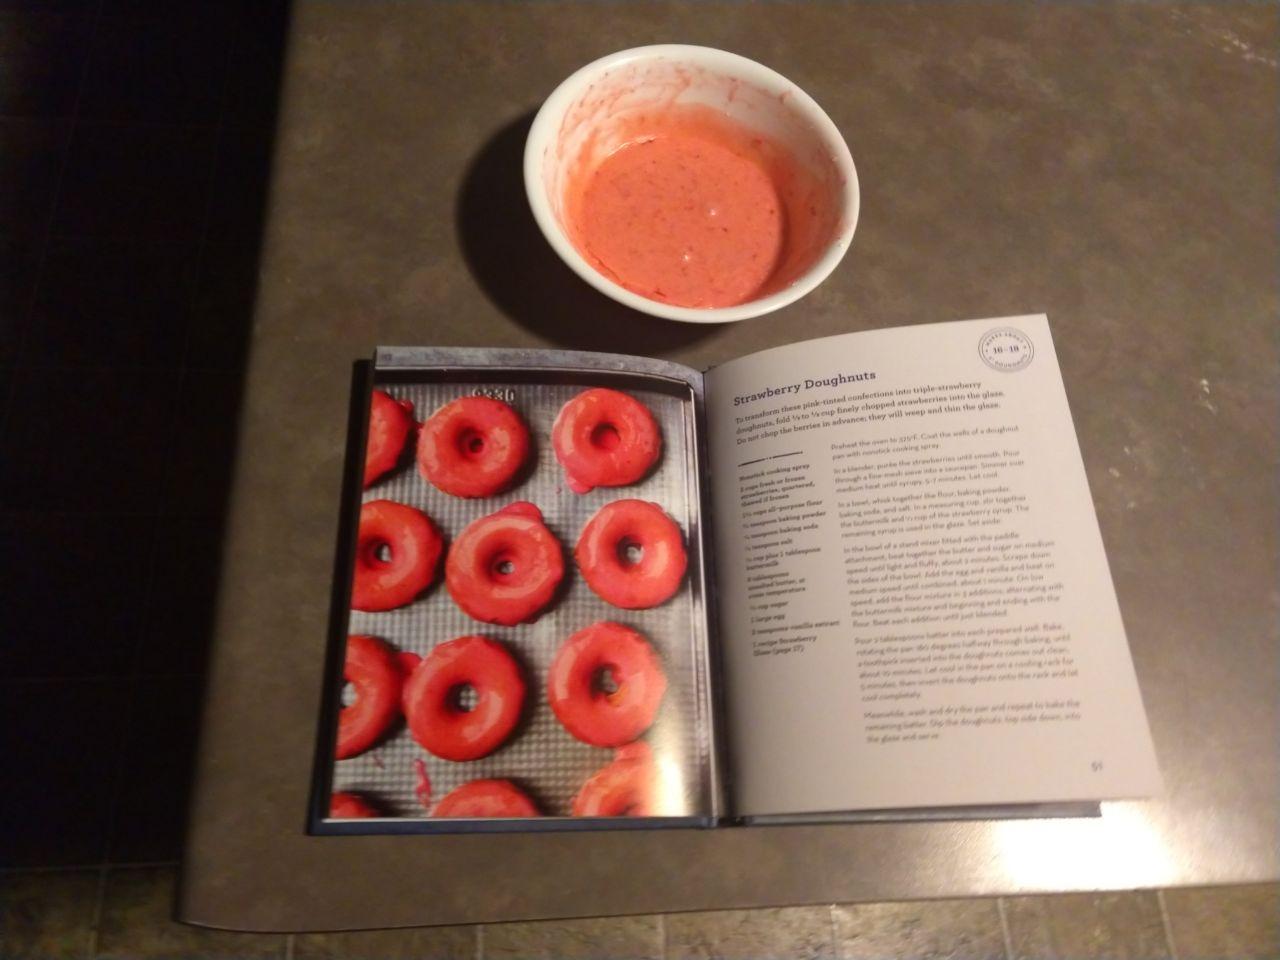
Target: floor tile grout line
(43, 680)
(74, 123)
(37, 271)
(202, 242)
(201, 516)
(662, 936)
(1167, 925)
(1004, 928)
(87, 867)
(24, 346)
(45, 118)
(479, 941)
(175, 426)
(288, 945)
(99, 901)
(118, 771)
(138, 368)
(132, 124)
(106, 122)
(831, 917)
(62, 120)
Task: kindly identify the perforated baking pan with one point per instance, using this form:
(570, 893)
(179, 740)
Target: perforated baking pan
(541, 757)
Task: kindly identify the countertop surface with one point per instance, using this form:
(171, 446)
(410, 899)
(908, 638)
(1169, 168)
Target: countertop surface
(1112, 166)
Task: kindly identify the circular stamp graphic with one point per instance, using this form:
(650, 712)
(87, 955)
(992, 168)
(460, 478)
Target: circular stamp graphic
(1007, 349)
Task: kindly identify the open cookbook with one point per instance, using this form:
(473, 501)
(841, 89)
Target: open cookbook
(854, 578)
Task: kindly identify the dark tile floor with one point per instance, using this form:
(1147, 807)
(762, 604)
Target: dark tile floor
(135, 140)
(123, 912)
(134, 152)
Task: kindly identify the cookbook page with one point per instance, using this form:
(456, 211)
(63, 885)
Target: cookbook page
(915, 605)
(520, 643)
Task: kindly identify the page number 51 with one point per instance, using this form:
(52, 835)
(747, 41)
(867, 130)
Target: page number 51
(1095, 766)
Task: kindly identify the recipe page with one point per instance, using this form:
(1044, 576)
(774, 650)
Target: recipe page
(915, 605)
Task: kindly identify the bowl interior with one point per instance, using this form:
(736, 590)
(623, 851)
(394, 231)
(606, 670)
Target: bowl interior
(611, 103)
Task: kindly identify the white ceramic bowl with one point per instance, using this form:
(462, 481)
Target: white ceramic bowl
(573, 127)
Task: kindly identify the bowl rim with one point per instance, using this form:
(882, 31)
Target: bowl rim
(544, 128)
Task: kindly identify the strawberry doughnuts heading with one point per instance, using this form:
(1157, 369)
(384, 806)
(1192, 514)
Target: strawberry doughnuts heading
(605, 438)
(487, 798)
(632, 554)
(505, 568)
(628, 787)
(578, 698)
(372, 668)
(390, 421)
(473, 447)
(432, 698)
(397, 552)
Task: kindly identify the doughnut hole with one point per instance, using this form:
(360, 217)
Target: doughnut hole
(605, 436)
(462, 698)
(470, 443)
(630, 552)
(604, 681)
(378, 552)
(502, 566)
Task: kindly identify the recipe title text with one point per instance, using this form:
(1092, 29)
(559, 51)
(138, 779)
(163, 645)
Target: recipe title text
(795, 388)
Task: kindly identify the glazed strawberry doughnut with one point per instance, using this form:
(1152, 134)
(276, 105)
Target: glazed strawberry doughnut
(390, 421)
(412, 546)
(627, 787)
(373, 670)
(487, 798)
(504, 568)
(431, 698)
(605, 438)
(350, 806)
(589, 712)
(632, 554)
(472, 447)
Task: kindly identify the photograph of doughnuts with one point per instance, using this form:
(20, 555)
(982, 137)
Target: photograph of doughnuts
(524, 637)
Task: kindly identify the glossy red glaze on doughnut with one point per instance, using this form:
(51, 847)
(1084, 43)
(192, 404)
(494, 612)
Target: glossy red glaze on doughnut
(487, 798)
(414, 546)
(390, 421)
(504, 568)
(436, 720)
(372, 668)
(623, 526)
(350, 806)
(627, 787)
(605, 438)
(472, 447)
(586, 710)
